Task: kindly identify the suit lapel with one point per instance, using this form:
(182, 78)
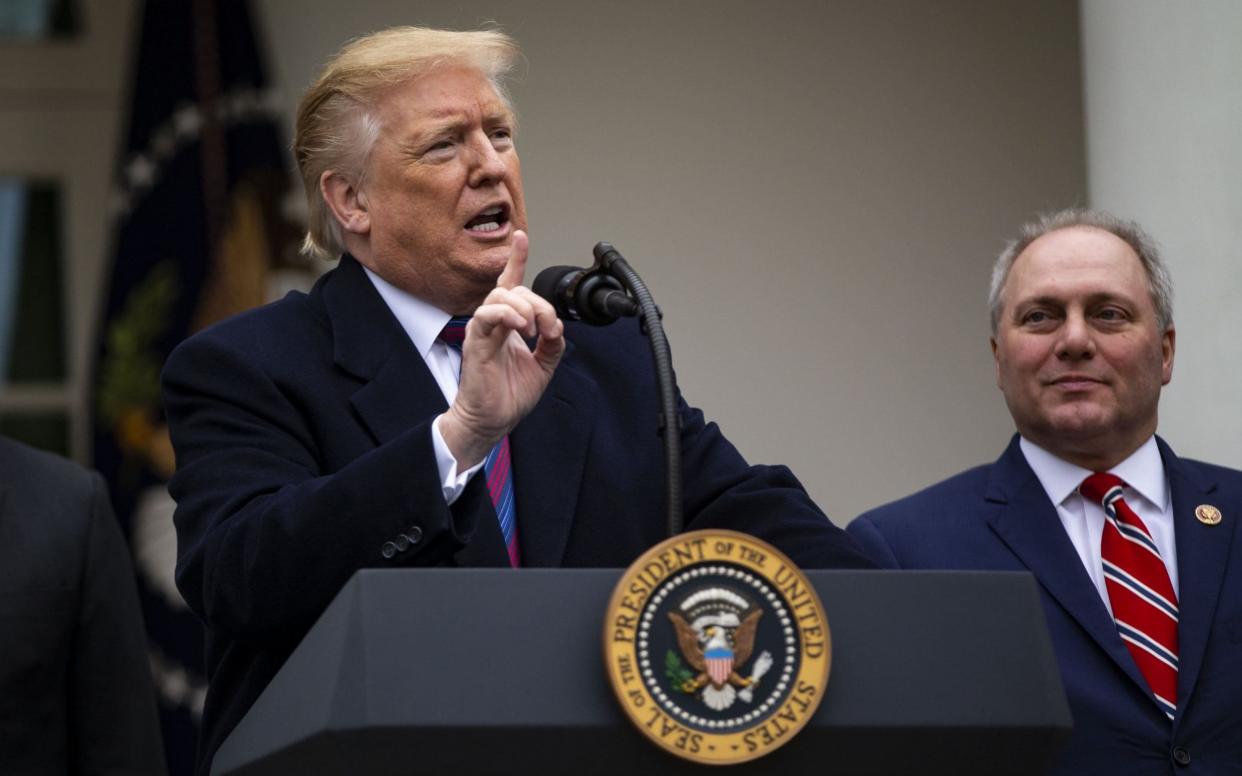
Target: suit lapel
(369, 343)
(1027, 522)
(549, 456)
(548, 446)
(398, 390)
(396, 398)
(1202, 554)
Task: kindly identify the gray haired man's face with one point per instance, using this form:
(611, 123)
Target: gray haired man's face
(1079, 354)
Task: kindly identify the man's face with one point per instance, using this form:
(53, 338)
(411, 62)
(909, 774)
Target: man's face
(1079, 354)
(443, 189)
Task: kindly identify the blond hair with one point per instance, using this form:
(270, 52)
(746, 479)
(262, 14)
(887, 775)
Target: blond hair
(337, 124)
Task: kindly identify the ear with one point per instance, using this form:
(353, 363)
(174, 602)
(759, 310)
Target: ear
(346, 201)
(996, 361)
(1167, 346)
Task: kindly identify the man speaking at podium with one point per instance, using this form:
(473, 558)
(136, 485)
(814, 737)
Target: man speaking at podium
(1136, 551)
(397, 416)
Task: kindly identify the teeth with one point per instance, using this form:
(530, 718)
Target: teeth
(488, 220)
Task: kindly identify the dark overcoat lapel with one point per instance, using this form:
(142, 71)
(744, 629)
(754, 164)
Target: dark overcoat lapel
(398, 392)
(368, 343)
(549, 458)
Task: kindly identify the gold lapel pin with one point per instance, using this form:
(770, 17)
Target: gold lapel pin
(1207, 514)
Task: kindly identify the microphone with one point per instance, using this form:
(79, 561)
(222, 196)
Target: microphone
(597, 296)
(590, 296)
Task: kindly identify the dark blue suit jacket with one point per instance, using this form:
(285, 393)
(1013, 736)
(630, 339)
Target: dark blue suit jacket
(999, 517)
(303, 441)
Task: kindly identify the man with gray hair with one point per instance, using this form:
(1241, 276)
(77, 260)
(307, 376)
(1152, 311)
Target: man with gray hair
(1135, 550)
(398, 415)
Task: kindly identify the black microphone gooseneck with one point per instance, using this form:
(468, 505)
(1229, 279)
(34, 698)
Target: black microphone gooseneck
(612, 262)
(598, 296)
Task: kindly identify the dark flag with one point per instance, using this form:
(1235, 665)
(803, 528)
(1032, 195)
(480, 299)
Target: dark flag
(198, 236)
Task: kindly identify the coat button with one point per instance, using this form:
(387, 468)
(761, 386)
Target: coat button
(1181, 756)
(415, 534)
(403, 542)
(388, 550)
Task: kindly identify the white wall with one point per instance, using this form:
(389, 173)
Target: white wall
(1164, 147)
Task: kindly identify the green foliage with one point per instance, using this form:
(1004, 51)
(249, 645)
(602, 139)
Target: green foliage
(130, 376)
(676, 671)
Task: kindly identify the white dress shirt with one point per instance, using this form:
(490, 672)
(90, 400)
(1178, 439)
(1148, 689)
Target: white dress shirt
(1146, 491)
(423, 323)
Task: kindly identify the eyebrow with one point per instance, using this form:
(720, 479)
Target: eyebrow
(455, 121)
(1048, 300)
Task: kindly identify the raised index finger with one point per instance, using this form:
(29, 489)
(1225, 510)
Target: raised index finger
(515, 270)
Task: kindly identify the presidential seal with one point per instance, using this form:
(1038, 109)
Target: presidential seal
(717, 646)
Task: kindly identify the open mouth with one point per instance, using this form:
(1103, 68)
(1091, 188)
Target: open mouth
(490, 219)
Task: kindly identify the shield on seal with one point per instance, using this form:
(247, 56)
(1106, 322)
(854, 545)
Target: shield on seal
(719, 664)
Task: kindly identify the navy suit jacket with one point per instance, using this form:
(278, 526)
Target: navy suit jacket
(303, 440)
(999, 517)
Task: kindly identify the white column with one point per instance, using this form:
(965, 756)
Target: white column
(1163, 92)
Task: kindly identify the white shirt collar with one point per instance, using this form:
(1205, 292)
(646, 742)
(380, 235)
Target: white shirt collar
(421, 320)
(1143, 473)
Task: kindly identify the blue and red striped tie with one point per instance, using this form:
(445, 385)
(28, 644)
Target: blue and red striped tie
(497, 467)
(1139, 589)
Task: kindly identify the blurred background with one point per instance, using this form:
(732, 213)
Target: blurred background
(814, 192)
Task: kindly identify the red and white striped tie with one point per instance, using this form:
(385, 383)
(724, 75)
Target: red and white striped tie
(1144, 604)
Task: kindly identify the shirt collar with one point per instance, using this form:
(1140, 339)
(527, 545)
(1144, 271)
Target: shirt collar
(1143, 473)
(421, 320)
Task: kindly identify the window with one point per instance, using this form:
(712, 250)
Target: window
(32, 315)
